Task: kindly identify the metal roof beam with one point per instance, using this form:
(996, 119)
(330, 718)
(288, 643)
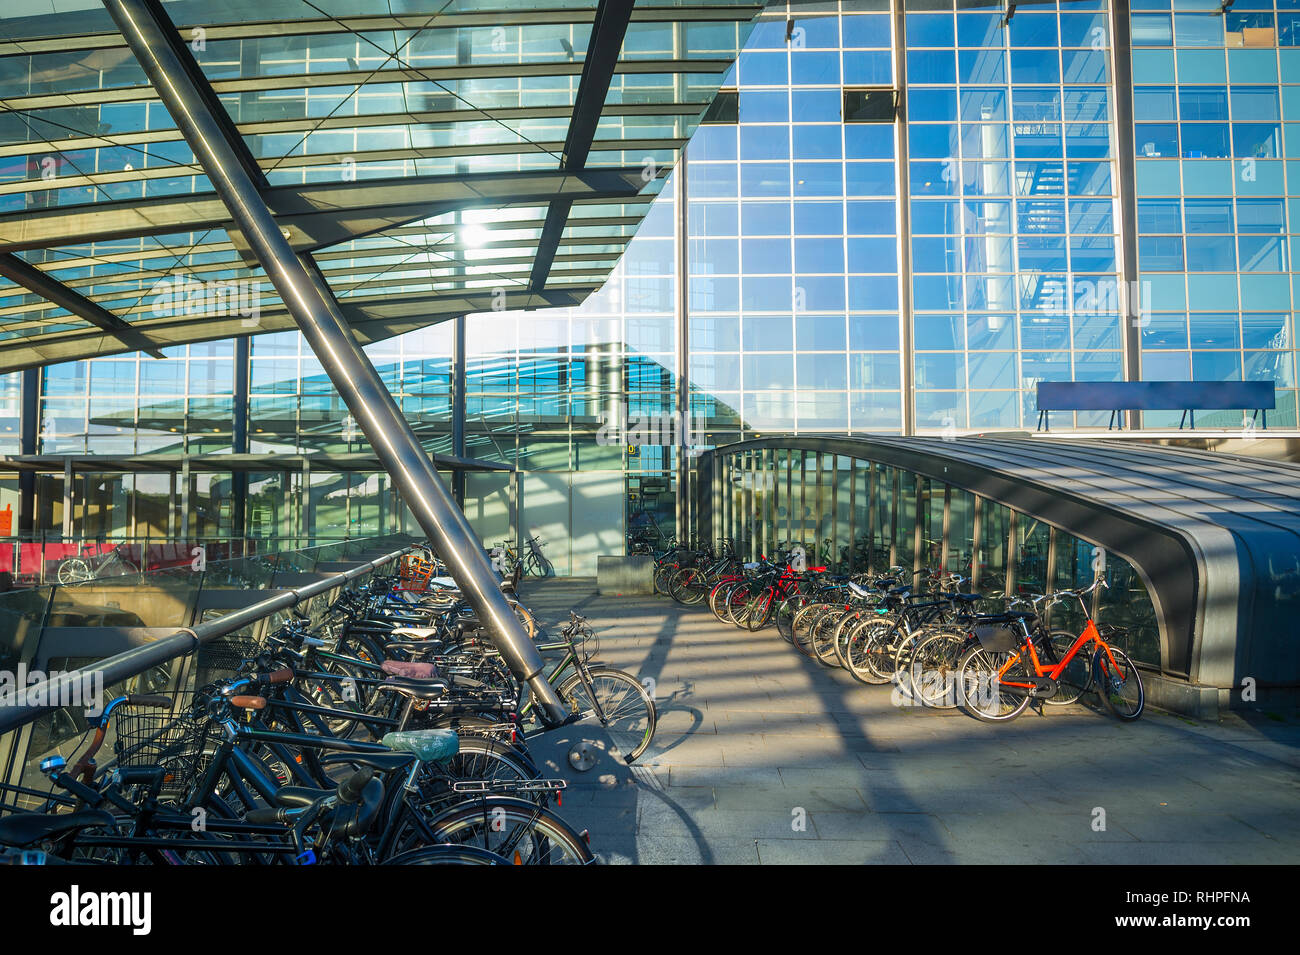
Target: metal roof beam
(45, 285)
(317, 215)
(607, 33)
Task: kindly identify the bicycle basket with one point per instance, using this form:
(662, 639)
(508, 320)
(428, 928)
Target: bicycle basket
(997, 639)
(223, 657)
(179, 746)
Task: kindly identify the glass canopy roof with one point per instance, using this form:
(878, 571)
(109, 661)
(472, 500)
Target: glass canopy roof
(435, 157)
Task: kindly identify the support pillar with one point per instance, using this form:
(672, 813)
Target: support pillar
(198, 114)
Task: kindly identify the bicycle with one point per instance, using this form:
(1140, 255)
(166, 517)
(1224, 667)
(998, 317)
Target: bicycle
(114, 563)
(1004, 673)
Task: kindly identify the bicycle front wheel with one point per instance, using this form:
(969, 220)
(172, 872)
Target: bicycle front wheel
(74, 569)
(629, 710)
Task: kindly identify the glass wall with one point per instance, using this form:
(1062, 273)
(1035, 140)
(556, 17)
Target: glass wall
(1012, 188)
(1014, 553)
(1216, 109)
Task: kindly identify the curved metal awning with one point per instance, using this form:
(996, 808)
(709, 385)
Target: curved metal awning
(430, 154)
(1215, 536)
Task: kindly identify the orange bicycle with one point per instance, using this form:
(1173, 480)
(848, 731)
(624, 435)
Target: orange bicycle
(1004, 670)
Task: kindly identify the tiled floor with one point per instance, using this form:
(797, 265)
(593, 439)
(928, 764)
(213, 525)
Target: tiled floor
(764, 756)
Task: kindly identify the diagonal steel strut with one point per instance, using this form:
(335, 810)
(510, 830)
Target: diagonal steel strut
(181, 86)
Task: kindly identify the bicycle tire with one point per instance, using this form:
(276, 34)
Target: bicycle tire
(980, 694)
(632, 738)
(1121, 691)
(447, 855)
(472, 823)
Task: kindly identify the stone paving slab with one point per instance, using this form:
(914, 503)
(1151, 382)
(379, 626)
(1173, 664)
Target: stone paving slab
(765, 757)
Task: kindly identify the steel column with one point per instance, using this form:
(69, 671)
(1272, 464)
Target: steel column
(1130, 304)
(458, 407)
(29, 426)
(904, 223)
(177, 80)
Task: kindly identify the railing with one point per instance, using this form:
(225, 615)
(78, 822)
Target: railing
(37, 559)
(145, 653)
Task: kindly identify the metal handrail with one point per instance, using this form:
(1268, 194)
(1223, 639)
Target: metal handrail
(184, 641)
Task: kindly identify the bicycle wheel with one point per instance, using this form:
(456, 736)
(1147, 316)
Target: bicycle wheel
(447, 855)
(520, 831)
(933, 669)
(718, 597)
(980, 687)
(737, 600)
(801, 626)
(1119, 684)
(759, 611)
(843, 630)
(822, 637)
(482, 757)
(688, 586)
(630, 715)
(661, 578)
(74, 570)
(785, 615)
(859, 654)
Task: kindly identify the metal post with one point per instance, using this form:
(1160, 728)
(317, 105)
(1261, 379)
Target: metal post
(871, 518)
(177, 80)
(67, 498)
(1130, 304)
(904, 223)
(307, 515)
(239, 439)
(1013, 551)
(185, 498)
(976, 529)
(947, 527)
(29, 426)
(458, 407)
(918, 537)
(683, 349)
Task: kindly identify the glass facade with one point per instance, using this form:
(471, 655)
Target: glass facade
(1215, 100)
(856, 515)
(812, 266)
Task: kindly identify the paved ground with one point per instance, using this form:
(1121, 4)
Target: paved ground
(764, 756)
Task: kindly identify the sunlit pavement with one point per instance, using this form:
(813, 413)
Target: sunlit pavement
(765, 756)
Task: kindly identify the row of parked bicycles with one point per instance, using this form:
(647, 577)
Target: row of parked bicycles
(994, 656)
(388, 731)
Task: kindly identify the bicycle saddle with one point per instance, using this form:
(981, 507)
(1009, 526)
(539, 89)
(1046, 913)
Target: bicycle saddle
(965, 598)
(410, 669)
(25, 829)
(431, 746)
(415, 633)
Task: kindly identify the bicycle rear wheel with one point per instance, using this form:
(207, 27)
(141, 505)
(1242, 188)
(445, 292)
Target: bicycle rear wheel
(980, 685)
(801, 627)
(933, 669)
(521, 832)
(1119, 684)
(759, 611)
(785, 615)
